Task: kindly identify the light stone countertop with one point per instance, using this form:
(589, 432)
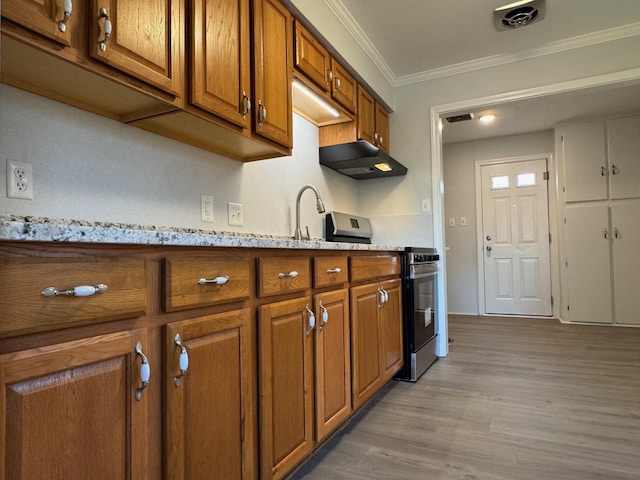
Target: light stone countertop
(39, 229)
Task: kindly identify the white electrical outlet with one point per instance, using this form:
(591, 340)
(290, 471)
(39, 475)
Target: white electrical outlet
(206, 208)
(19, 180)
(463, 221)
(235, 213)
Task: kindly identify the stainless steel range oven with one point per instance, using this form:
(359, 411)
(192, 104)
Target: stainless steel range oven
(420, 303)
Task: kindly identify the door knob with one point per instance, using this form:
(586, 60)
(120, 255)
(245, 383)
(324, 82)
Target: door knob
(488, 248)
(488, 238)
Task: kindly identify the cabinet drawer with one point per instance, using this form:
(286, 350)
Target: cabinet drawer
(191, 282)
(368, 267)
(282, 275)
(26, 310)
(330, 271)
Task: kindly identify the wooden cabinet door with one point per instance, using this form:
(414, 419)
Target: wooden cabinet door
(588, 265)
(46, 17)
(365, 343)
(382, 127)
(624, 164)
(210, 409)
(366, 116)
(312, 58)
(69, 411)
(626, 262)
(286, 386)
(391, 329)
(220, 62)
(343, 86)
(145, 40)
(585, 168)
(272, 62)
(332, 361)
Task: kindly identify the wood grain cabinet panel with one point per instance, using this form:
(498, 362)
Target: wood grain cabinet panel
(343, 86)
(46, 17)
(373, 120)
(25, 310)
(220, 63)
(210, 409)
(391, 329)
(198, 281)
(146, 39)
(312, 58)
(332, 361)
(329, 271)
(373, 266)
(278, 275)
(286, 386)
(69, 411)
(272, 70)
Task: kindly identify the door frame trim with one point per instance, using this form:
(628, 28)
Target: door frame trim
(552, 199)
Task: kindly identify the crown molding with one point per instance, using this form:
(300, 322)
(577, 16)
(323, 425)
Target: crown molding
(346, 19)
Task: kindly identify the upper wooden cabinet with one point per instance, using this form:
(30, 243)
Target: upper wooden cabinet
(55, 19)
(141, 38)
(312, 58)
(343, 86)
(373, 121)
(220, 73)
(272, 67)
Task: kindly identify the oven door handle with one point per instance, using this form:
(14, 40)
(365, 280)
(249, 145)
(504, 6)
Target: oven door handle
(414, 275)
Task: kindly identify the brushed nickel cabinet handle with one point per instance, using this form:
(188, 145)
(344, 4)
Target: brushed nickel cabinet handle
(292, 274)
(325, 316)
(79, 291)
(145, 371)
(67, 10)
(312, 320)
(246, 104)
(183, 359)
(217, 280)
(107, 28)
(334, 270)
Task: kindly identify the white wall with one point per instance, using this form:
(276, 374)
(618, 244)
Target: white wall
(459, 160)
(87, 167)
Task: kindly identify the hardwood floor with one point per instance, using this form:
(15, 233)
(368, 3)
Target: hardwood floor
(515, 399)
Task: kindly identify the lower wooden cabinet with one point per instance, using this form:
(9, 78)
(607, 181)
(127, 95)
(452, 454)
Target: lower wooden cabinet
(77, 410)
(376, 337)
(332, 355)
(209, 407)
(286, 385)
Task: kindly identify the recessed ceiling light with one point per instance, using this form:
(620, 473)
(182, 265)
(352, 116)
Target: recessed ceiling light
(488, 118)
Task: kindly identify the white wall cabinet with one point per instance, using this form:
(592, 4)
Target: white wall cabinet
(601, 159)
(601, 162)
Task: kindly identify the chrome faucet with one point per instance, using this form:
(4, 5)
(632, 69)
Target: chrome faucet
(319, 206)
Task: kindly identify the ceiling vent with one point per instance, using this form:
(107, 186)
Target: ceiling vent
(518, 14)
(460, 118)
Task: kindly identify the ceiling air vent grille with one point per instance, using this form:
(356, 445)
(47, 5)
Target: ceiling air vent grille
(518, 14)
(460, 118)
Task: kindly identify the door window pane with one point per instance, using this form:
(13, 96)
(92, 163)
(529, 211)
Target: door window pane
(526, 180)
(499, 182)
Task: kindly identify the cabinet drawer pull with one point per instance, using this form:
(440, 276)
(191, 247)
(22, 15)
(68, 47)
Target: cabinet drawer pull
(603, 171)
(145, 371)
(384, 296)
(79, 291)
(183, 359)
(292, 274)
(325, 316)
(312, 320)
(107, 28)
(614, 170)
(67, 9)
(334, 270)
(605, 232)
(329, 76)
(262, 113)
(338, 83)
(217, 280)
(246, 105)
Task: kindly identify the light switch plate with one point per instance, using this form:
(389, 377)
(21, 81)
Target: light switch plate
(426, 205)
(206, 208)
(235, 213)
(452, 222)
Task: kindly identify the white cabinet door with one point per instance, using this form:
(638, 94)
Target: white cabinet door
(585, 168)
(588, 266)
(624, 156)
(625, 221)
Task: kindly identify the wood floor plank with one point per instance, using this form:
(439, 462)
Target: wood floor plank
(516, 399)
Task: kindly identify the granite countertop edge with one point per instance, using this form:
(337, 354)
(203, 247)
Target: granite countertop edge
(41, 229)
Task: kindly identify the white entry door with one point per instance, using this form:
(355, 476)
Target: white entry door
(515, 233)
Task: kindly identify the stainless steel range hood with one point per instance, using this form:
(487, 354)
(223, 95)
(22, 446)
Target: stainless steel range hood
(360, 160)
